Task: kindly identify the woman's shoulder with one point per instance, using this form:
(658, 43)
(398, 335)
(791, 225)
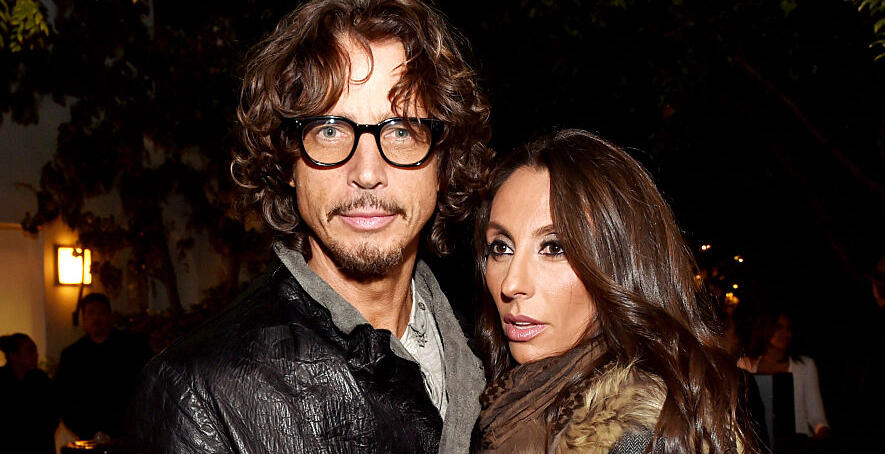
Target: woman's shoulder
(802, 363)
(620, 401)
(748, 364)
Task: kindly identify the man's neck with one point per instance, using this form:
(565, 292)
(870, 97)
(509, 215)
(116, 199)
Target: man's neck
(99, 338)
(385, 302)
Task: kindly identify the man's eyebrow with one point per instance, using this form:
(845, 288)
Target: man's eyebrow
(376, 117)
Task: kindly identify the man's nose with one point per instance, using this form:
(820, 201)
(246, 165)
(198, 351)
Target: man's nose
(368, 170)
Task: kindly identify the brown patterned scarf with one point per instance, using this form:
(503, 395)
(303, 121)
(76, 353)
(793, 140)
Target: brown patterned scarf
(516, 401)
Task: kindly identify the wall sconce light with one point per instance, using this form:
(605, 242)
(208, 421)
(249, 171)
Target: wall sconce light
(72, 266)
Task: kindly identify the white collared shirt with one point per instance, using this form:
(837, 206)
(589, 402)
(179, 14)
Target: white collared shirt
(422, 340)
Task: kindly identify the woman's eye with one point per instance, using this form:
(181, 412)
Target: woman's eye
(552, 248)
(497, 249)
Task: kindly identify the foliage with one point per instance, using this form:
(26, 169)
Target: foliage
(153, 89)
(876, 10)
(23, 25)
(163, 327)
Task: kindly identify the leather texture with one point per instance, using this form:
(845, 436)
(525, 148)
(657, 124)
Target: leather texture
(272, 374)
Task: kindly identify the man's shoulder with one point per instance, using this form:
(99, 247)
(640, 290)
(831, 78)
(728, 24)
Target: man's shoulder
(78, 347)
(253, 327)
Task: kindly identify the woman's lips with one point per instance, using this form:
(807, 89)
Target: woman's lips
(519, 328)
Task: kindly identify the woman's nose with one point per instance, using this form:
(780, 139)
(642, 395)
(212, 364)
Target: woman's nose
(519, 280)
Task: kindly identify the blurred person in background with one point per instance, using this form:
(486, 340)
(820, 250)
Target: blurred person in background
(771, 351)
(733, 316)
(96, 375)
(861, 406)
(28, 413)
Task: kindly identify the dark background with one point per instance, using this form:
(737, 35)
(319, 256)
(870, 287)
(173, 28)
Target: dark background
(759, 126)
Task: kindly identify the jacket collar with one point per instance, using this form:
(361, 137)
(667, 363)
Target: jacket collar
(344, 316)
(464, 376)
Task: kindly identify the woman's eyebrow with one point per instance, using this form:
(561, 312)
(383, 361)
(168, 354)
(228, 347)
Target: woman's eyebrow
(544, 230)
(500, 228)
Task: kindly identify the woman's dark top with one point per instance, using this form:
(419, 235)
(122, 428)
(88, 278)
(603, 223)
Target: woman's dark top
(29, 416)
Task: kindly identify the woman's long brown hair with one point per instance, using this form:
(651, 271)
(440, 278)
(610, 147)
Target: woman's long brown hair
(622, 241)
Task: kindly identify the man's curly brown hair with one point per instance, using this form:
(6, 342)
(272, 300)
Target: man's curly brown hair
(302, 68)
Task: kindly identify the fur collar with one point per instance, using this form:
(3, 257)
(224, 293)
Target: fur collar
(619, 401)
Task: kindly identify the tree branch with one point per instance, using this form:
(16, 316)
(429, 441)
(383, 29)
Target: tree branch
(755, 73)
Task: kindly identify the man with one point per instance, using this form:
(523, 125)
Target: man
(861, 356)
(361, 121)
(96, 375)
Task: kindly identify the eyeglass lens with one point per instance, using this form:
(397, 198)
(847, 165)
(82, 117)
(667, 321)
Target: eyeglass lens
(331, 141)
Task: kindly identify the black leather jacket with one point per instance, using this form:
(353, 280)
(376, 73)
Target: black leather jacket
(273, 374)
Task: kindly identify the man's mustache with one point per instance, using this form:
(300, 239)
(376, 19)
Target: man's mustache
(365, 200)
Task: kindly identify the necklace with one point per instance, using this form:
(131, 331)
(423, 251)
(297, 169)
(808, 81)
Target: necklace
(420, 318)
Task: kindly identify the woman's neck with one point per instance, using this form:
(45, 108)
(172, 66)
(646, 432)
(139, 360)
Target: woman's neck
(773, 361)
(775, 355)
(19, 371)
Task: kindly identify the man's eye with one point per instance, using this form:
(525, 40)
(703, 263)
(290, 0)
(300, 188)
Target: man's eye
(400, 134)
(329, 133)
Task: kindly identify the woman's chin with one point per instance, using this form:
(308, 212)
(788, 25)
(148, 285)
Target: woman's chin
(523, 353)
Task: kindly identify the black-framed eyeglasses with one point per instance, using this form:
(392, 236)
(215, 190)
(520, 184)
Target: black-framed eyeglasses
(329, 140)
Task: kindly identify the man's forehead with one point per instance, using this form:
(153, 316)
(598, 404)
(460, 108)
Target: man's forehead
(377, 115)
(373, 72)
(361, 60)
(92, 306)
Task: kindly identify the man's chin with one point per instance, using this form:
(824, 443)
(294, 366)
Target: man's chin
(365, 261)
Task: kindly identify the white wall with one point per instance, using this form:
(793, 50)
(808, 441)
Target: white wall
(30, 302)
(21, 285)
(23, 151)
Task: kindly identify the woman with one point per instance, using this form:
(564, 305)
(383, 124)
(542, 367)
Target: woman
(595, 338)
(29, 417)
(771, 352)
